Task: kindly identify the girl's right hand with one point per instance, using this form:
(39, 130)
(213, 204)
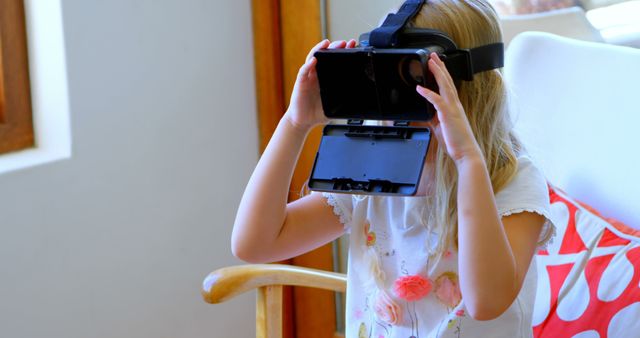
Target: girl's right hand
(305, 109)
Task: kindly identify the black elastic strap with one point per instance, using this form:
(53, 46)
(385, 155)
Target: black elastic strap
(387, 35)
(463, 63)
(487, 57)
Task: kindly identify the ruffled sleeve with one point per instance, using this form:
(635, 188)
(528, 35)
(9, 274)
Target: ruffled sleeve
(528, 192)
(342, 206)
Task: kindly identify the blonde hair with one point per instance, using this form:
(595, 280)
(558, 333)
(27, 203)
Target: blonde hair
(470, 23)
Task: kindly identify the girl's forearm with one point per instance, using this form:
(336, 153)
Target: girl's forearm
(261, 213)
(487, 265)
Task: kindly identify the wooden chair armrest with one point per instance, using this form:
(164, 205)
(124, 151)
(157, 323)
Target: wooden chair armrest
(228, 282)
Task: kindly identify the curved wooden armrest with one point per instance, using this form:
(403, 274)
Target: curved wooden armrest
(226, 283)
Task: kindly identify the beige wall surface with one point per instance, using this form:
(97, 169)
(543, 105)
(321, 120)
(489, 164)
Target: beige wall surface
(115, 241)
(348, 19)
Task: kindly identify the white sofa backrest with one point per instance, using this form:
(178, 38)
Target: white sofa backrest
(570, 22)
(576, 105)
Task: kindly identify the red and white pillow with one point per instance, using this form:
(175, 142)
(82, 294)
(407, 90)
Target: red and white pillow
(588, 277)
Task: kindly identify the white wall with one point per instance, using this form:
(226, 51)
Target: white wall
(115, 241)
(348, 19)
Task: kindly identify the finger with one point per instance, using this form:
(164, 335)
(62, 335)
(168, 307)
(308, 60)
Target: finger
(307, 69)
(438, 59)
(311, 73)
(337, 44)
(434, 98)
(443, 66)
(439, 71)
(443, 78)
(444, 86)
(321, 45)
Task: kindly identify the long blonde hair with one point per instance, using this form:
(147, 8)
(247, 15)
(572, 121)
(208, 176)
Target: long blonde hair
(470, 23)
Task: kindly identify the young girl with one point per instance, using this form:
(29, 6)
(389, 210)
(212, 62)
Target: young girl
(455, 261)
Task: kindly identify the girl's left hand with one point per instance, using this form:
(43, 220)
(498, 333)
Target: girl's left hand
(450, 125)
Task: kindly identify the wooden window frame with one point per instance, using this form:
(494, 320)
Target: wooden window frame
(16, 121)
(284, 32)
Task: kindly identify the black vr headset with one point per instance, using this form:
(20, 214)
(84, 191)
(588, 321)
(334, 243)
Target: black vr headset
(377, 81)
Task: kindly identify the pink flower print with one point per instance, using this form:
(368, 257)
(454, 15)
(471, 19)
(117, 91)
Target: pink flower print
(369, 235)
(447, 289)
(412, 288)
(386, 309)
(460, 313)
(358, 314)
(447, 254)
(371, 238)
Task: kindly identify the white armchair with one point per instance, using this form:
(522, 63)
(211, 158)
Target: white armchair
(577, 107)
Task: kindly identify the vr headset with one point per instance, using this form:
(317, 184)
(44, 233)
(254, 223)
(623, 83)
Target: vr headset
(377, 81)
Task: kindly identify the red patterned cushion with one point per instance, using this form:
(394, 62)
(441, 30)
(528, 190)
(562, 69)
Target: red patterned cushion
(589, 277)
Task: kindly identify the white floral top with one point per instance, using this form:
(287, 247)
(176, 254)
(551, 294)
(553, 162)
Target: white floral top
(415, 297)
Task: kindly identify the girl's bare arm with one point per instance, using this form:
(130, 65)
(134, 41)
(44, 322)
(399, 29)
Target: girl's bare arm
(267, 229)
(493, 253)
